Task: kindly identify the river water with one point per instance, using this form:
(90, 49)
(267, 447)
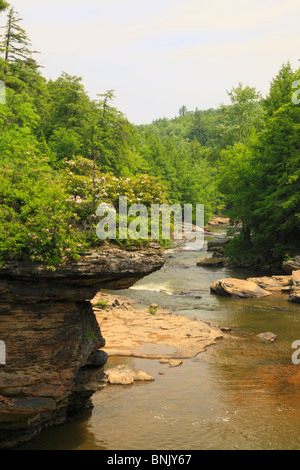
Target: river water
(239, 394)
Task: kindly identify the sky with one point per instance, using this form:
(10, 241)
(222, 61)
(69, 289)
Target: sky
(159, 55)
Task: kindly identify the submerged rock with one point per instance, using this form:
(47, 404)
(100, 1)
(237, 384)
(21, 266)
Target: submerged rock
(226, 329)
(268, 337)
(126, 375)
(171, 362)
(189, 293)
(238, 288)
(213, 261)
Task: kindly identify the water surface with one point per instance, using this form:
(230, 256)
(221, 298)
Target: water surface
(239, 394)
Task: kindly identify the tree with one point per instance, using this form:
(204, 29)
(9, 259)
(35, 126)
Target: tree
(108, 135)
(260, 179)
(3, 5)
(244, 114)
(16, 44)
(69, 110)
(237, 183)
(276, 220)
(280, 90)
(182, 110)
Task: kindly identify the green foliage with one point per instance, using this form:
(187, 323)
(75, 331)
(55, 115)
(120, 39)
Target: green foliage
(280, 89)
(86, 193)
(16, 44)
(152, 310)
(260, 178)
(90, 335)
(243, 115)
(182, 166)
(56, 144)
(102, 304)
(3, 5)
(36, 221)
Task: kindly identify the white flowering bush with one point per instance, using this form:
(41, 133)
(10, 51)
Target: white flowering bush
(88, 188)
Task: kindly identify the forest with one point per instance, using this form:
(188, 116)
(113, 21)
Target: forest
(63, 153)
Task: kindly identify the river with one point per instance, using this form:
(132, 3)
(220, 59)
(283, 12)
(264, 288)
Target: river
(239, 394)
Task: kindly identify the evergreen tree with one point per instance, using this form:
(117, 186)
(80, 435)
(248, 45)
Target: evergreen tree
(280, 90)
(16, 44)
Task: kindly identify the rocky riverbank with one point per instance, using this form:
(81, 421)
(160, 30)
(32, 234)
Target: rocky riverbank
(257, 287)
(52, 338)
(152, 333)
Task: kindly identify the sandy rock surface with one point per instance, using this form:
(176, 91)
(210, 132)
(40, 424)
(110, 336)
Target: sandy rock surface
(132, 331)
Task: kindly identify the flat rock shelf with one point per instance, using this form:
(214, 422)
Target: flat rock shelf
(135, 332)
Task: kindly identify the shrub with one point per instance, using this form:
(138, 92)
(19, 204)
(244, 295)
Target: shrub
(36, 221)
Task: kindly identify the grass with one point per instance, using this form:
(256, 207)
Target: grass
(102, 304)
(152, 310)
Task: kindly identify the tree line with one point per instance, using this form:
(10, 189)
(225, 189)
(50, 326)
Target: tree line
(240, 160)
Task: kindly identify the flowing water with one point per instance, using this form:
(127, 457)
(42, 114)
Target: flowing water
(239, 394)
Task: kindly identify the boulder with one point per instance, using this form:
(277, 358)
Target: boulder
(238, 288)
(296, 279)
(215, 243)
(295, 290)
(218, 221)
(291, 265)
(294, 296)
(273, 283)
(211, 261)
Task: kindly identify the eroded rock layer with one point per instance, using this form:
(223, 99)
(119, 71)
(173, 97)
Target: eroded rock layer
(52, 338)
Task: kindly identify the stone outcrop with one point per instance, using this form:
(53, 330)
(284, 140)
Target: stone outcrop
(136, 332)
(52, 338)
(291, 265)
(260, 286)
(213, 261)
(217, 244)
(295, 289)
(238, 288)
(273, 283)
(218, 221)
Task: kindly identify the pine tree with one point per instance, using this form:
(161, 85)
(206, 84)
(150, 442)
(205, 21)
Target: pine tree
(16, 44)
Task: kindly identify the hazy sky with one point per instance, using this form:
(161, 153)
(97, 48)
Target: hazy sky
(161, 54)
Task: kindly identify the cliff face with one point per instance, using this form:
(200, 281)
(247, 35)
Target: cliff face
(53, 363)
